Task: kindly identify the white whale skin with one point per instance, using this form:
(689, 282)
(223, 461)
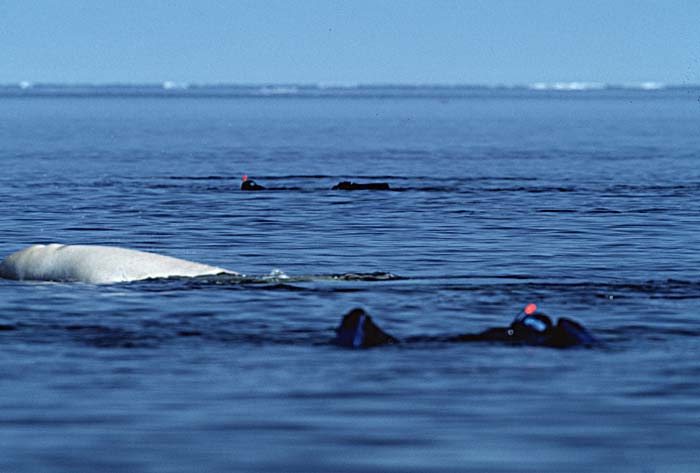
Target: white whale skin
(97, 265)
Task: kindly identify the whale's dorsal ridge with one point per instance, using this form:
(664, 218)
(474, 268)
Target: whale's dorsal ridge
(97, 264)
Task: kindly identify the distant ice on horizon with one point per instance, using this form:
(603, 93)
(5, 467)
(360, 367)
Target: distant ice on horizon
(292, 88)
(576, 85)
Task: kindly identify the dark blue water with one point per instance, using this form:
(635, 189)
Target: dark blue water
(584, 202)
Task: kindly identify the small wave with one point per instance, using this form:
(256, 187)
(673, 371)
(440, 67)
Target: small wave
(375, 276)
(150, 334)
(392, 177)
(102, 336)
(558, 211)
(276, 276)
(279, 287)
(692, 187)
(397, 183)
(203, 178)
(531, 189)
(602, 210)
(664, 289)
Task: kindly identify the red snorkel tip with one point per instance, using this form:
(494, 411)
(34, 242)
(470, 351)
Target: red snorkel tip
(244, 178)
(530, 309)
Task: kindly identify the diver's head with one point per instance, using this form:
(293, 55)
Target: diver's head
(530, 324)
(538, 323)
(534, 327)
(250, 184)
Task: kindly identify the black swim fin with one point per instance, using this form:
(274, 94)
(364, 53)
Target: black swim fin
(355, 186)
(357, 330)
(569, 333)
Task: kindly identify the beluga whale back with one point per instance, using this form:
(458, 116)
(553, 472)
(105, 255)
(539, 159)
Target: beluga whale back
(97, 265)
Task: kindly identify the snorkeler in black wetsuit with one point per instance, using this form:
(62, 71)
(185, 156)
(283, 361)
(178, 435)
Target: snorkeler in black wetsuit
(357, 330)
(250, 185)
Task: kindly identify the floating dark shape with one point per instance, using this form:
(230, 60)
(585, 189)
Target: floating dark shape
(354, 186)
(357, 330)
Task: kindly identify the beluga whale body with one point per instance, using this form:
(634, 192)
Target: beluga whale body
(97, 265)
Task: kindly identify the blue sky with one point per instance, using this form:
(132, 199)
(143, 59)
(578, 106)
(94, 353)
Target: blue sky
(353, 41)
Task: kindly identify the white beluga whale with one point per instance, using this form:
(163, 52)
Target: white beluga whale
(97, 265)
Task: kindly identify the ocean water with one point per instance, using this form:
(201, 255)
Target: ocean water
(582, 201)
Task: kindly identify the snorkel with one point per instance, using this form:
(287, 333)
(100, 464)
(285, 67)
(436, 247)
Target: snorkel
(527, 311)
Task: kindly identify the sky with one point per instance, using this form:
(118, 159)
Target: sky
(488, 42)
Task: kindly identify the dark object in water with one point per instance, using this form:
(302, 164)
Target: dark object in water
(357, 330)
(566, 333)
(354, 186)
(250, 185)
